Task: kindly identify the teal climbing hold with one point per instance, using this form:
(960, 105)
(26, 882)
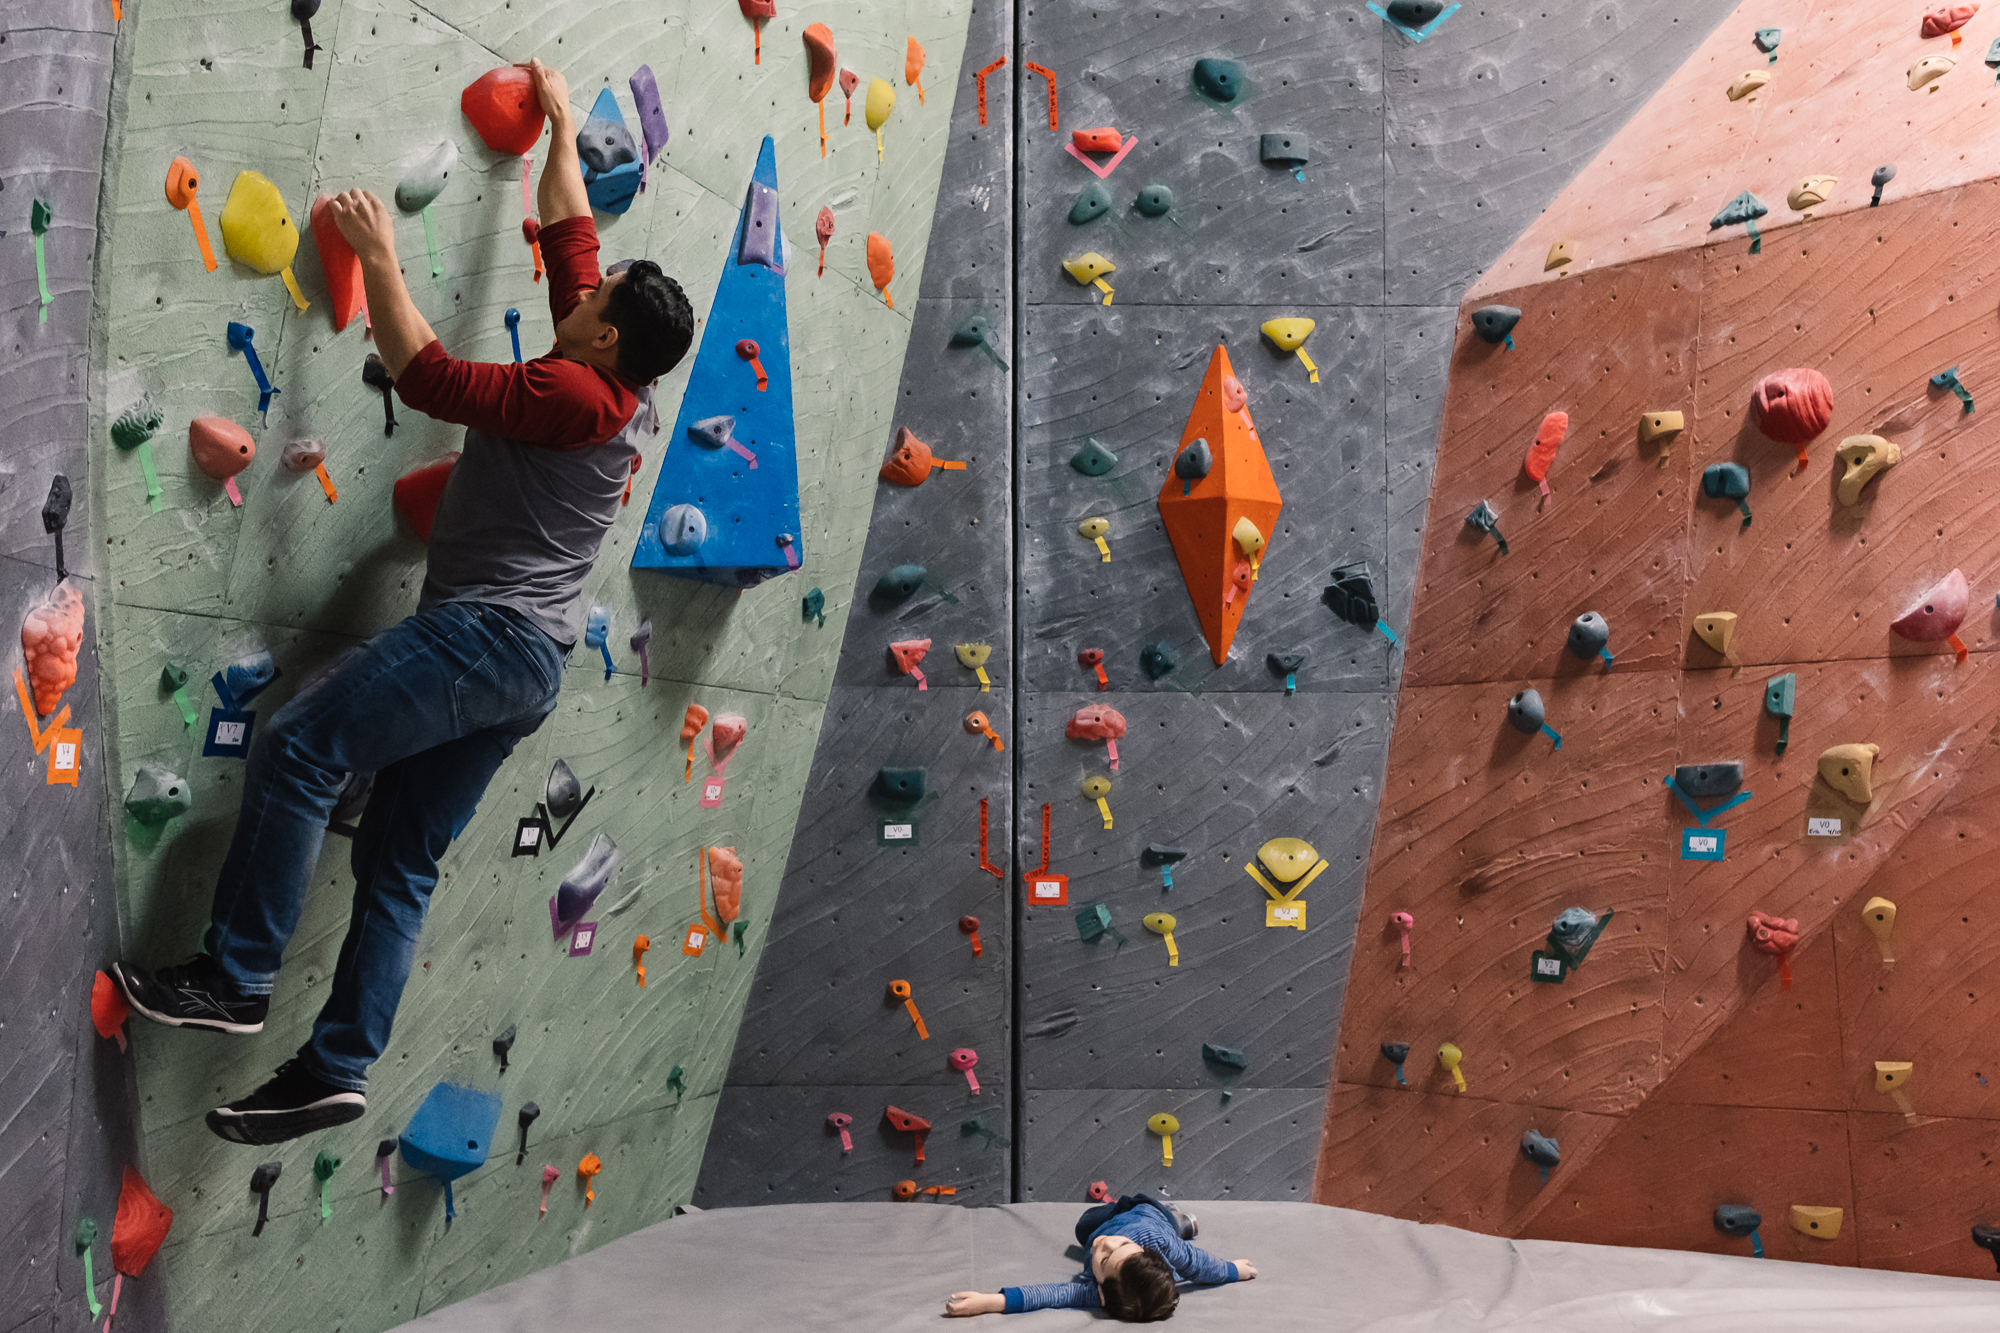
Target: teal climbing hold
(899, 584)
(1745, 208)
(898, 787)
(1218, 80)
(1092, 204)
(1093, 460)
(1158, 659)
(1155, 201)
(977, 332)
(1766, 40)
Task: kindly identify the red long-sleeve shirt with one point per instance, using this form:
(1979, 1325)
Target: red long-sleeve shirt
(548, 401)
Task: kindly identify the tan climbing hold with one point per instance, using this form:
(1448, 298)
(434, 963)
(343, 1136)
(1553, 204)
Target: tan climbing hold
(1561, 254)
(1892, 1074)
(1863, 456)
(1929, 70)
(1747, 83)
(1817, 1222)
(1716, 629)
(1879, 915)
(1661, 429)
(1850, 770)
(1811, 192)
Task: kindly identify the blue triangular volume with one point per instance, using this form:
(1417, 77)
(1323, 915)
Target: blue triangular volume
(611, 191)
(727, 520)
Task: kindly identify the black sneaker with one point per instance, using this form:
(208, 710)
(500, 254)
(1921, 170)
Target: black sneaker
(197, 994)
(295, 1103)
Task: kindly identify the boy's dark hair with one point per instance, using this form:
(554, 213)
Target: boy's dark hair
(1142, 1290)
(655, 323)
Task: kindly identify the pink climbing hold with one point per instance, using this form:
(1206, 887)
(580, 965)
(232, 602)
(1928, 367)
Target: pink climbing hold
(1939, 614)
(909, 653)
(725, 733)
(549, 1177)
(1099, 1192)
(1405, 923)
(1948, 19)
(839, 1121)
(963, 1059)
(1098, 722)
(1792, 406)
(849, 81)
(823, 228)
(1234, 399)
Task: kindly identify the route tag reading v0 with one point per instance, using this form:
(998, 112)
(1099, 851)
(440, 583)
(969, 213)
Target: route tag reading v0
(896, 833)
(1703, 844)
(1822, 828)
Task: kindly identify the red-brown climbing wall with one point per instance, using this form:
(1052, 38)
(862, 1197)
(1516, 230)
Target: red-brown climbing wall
(1672, 1068)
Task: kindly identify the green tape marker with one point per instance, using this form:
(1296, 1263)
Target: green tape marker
(38, 222)
(323, 1169)
(86, 1236)
(431, 239)
(152, 477)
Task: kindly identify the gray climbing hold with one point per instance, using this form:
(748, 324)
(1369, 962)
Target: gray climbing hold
(1737, 1219)
(1708, 779)
(1495, 322)
(157, 795)
(1744, 208)
(563, 794)
(1159, 854)
(1227, 1056)
(714, 432)
(605, 145)
(1351, 595)
(683, 528)
(1194, 462)
(1540, 1149)
(1486, 519)
(416, 191)
(1093, 460)
(1525, 713)
(1216, 79)
(1415, 13)
(1286, 147)
(1285, 664)
(898, 787)
(1092, 204)
(1158, 659)
(1155, 201)
(900, 584)
(1588, 634)
(1766, 39)
(1574, 930)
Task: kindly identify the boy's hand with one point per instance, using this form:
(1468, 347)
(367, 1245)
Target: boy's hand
(366, 224)
(1245, 1270)
(553, 89)
(961, 1304)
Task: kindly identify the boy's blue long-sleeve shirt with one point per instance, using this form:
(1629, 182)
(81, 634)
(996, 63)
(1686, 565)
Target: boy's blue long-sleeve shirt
(1148, 1227)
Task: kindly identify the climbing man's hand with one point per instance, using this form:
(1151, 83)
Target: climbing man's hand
(963, 1303)
(1245, 1270)
(365, 224)
(553, 89)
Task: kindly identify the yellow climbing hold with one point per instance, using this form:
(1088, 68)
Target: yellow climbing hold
(881, 101)
(1864, 456)
(1716, 628)
(1089, 270)
(1290, 336)
(1096, 529)
(1850, 770)
(1249, 541)
(1661, 428)
(257, 230)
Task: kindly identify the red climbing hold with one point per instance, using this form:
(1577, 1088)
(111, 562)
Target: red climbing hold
(504, 108)
(1542, 453)
(338, 261)
(1939, 614)
(108, 1009)
(1793, 406)
(416, 494)
(1948, 18)
(905, 1123)
(142, 1224)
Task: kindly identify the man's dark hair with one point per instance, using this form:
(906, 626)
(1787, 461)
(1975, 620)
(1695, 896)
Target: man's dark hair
(655, 323)
(1141, 1290)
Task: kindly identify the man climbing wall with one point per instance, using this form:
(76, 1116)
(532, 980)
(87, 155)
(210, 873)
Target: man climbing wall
(434, 705)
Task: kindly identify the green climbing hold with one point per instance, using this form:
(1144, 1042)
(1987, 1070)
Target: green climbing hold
(1155, 201)
(675, 1082)
(1092, 204)
(899, 584)
(136, 425)
(813, 606)
(1093, 460)
(1218, 80)
(976, 332)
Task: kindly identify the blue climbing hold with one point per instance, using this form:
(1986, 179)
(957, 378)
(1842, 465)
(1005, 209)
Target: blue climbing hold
(450, 1135)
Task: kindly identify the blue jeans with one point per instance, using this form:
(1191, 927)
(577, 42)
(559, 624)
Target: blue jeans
(432, 707)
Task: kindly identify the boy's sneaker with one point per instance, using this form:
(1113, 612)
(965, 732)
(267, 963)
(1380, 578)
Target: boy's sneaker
(295, 1103)
(196, 994)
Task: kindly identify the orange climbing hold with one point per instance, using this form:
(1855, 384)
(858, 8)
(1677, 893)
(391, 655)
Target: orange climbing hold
(912, 461)
(1105, 140)
(588, 1169)
(1237, 485)
(913, 67)
(1792, 406)
(50, 638)
(725, 869)
(1542, 453)
(691, 725)
(822, 64)
(137, 1233)
(904, 1123)
(416, 494)
(881, 265)
(640, 945)
(108, 1009)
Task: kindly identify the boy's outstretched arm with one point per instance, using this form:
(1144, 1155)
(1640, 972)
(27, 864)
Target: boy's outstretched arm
(400, 331)
(961, 1304)
(561, 194)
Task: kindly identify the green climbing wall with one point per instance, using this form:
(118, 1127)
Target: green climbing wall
(200, 582)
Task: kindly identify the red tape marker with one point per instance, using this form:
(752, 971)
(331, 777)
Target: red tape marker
(1050, 75)
(980, 80)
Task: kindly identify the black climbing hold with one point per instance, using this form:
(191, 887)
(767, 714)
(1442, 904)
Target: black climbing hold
(1219, 80)
(1351, 595)
(1415, 13)
(1286, 147)
(1285, 664)
(1396, 1052)
(1194, 462)
(1588, 634)
(1092, 204)
(1525, 713)
(898, 786)
(1093, 460)
(529, 1114)
(899, 584)
(1159, 854)
(376, 376)
(1988, 1238)
(1708, 779)
(504, 1042)
(1540, 1149)
(1737, 1219)
(1495, 322)
(1155, 201)
(1227, 1056)
(261, 1181)
(1884, 174)
(563, 793)
(1158, 659)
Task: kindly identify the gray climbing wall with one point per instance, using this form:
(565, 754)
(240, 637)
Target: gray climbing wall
(66, 1124)
(1426, 160)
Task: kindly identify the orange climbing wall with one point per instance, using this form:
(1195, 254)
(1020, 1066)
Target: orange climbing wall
(1672, 1068)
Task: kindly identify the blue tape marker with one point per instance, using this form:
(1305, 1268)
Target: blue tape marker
(1605, 653)
(1167, 875)
(1703, 844)
(1553, 734)
(1399, 1076)
(1390, 634)
(1291, 682)
(1510, 342)
(1756, 1243)
(1702, 816)
(605, 648)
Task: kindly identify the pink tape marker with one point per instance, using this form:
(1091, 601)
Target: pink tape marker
(1131, 142)
(918, 672)
(790, 549)
(963, 1059)
(838, 1121)
(235, 496)
(1404, 922)
(735, 448)
(1112, 746)
(549, 1178)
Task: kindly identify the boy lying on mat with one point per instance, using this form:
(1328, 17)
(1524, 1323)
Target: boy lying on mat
(1137, 1247)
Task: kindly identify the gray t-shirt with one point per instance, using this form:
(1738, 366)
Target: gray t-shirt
(519, 524)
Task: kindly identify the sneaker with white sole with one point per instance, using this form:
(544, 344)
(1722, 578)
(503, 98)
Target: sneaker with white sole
(195, 994)
(295, 1103)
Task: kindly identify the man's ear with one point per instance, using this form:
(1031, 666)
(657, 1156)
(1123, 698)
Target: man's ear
(606, 339)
